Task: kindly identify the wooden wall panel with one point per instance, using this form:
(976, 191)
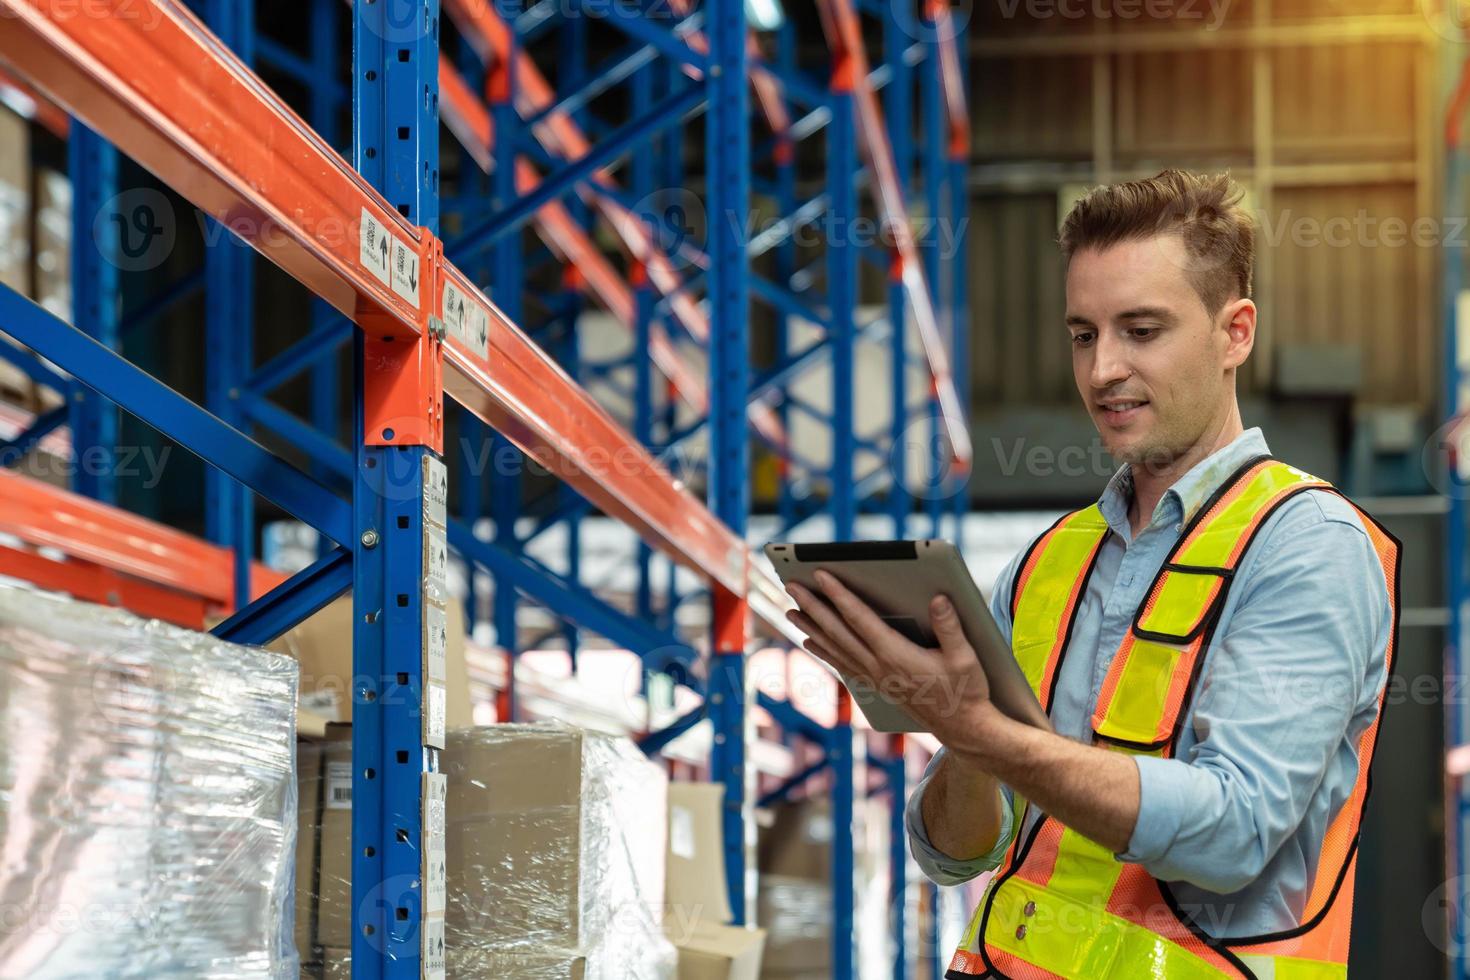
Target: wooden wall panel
(1344, 273)
(1019, 350)
(1344, 103)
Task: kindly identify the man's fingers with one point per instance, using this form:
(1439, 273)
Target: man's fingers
(838, 632)
(858, 614)
(947, 629)
(823, 651)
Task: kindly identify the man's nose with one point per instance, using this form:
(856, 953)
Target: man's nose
(1109, 361)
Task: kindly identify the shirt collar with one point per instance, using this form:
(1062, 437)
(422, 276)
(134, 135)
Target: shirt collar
(1182, 500)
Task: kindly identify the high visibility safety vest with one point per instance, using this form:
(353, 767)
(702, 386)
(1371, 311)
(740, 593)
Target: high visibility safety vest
(1062, 906)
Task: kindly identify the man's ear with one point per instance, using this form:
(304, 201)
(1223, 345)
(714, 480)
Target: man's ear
(1238, 319)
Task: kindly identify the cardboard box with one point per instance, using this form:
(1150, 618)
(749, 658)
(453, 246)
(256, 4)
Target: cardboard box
(798, 844)
(556, 844)
(323, 647)
(337, 964)
(308, 826)
(695, 880)
(502, 965)
(797, 916)
(15, 202)
(709, 951)
(334, 880)
(515, 821)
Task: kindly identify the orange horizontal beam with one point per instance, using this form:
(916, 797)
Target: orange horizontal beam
(168, 94)
(32, 105)
(106, 548)
(155, 82)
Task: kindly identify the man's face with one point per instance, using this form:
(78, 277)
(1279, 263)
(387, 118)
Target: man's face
(1154, 367)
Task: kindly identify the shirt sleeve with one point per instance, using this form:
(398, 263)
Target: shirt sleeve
(934, 863)
(939, 867)
(1285, 694)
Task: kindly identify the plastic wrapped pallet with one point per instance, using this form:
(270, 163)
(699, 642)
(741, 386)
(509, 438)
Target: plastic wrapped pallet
(147, 801)
(555, 849)
(556, 856)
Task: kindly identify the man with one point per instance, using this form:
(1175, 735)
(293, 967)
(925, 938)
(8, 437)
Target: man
(1211, 639)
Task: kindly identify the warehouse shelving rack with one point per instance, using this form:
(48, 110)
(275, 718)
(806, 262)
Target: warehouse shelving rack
(364, 238)
(1455, 395)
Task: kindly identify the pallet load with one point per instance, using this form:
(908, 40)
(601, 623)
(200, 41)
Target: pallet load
(555, 852)
(147, 799)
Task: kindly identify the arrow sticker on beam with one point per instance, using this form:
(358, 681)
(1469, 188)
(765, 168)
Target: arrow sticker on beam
(466, 320)
(405, 272)
(373, 247)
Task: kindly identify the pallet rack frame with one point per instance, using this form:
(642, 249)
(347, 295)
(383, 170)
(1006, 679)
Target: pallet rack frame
(390, 541)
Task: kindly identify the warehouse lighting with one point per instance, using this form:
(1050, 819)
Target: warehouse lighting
(764, 15)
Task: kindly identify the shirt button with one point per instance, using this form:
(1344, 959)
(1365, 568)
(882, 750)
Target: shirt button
(1021, 931)
(1178, 527)
(1029, 909)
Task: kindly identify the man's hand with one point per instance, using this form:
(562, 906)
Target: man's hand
(1092, 790)
(943, 688)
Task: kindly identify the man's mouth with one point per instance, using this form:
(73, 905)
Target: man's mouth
(1121, 411)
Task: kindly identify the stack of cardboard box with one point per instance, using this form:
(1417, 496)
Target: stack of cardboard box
(697, 918)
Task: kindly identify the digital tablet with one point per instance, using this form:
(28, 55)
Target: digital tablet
(899, 579)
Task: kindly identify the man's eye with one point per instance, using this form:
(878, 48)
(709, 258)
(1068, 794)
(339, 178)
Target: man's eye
(1142, 333)
(1082, 339)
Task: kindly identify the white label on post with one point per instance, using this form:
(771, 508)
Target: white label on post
(432, 948)
(436, 792)
(339, 786)
(405, 272)
(436, 490)
(436, 563)
(434, 707)
(435, 872)
(372, 240)
(436, 642)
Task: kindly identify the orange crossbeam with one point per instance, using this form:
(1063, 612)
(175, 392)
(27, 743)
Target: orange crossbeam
(114, 557)
(213, 131)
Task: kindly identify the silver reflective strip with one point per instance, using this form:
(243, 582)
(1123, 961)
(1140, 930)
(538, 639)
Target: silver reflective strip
(1264, 967)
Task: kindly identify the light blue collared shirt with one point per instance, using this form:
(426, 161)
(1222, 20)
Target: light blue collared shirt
(1267, 752)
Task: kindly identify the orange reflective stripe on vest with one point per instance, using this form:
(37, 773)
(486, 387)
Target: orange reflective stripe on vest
(1065, 907)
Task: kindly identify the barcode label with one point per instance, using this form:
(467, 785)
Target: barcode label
(434, 707)
(339, 786)
(432, 948)
(436, 792)
(405, 272)
(436, 490)
(436, 642)
(436, 563)
(466, 320)
(373, 247)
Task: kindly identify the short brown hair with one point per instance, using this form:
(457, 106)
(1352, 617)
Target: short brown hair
(1206, 211)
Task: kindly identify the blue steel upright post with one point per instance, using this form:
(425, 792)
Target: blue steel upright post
(97, 239)
(505, 290)
(229, 331)
(898, 108)
(1456, 173)
(842, 273)
(727, 152)
(936, 172)
(399, 516)
(959, 216)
